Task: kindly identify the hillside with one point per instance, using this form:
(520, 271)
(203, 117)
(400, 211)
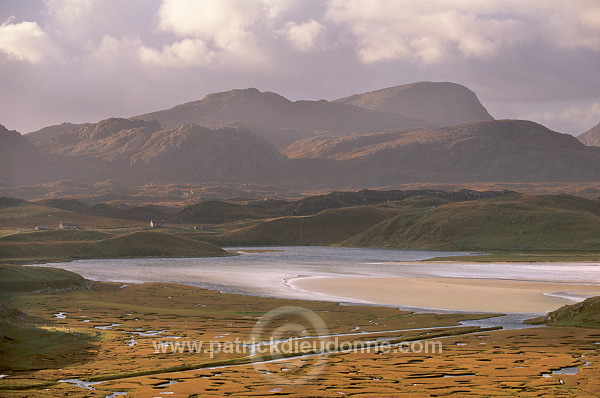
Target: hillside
(441, 103)
(506, 150)
(508, 223)
(278, 119)
(325, 228)
(139, 213)
(49, 131)
(137, 152)
(22, 163)
(591, 137)
(216, 211)
(584, 314)
(21, 214)
(17, 278)
(135, 244)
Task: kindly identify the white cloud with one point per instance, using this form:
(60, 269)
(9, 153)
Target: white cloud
(225, 22)
(428, 31)
(304, 36)
(26, 41)
(185, 53)
(575, 119)
(432, 31)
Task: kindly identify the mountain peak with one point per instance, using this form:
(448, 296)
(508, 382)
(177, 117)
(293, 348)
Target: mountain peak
(438, 102)
(591, 137)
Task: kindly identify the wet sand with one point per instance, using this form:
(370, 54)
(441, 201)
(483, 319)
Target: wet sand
(485, 295)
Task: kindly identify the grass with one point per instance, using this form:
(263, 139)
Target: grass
(325, 228)
(21, 214)
(473, 362)
(63, 235)
(583, 314)
(515, 223)
(18, 279)
(135, 244)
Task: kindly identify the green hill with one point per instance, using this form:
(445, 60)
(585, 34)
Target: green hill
(325, 228)
(136, 244)
(21, 214)
(511, 223)
(59, 235)
(584, 314)
(17, 278)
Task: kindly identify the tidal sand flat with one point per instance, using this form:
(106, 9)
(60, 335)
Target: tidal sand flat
(381, 276)
(464, 294)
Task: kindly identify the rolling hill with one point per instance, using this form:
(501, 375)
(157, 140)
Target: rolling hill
(436, 102)
(508, 223)
(325, 228)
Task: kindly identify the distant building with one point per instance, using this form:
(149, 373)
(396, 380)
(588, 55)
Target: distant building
(157, 224)
(40, 228)
(67, 225)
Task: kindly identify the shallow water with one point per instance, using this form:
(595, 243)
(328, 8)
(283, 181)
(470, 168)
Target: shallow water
(267, 273)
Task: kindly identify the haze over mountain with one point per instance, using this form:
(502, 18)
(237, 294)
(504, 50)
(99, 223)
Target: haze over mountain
(505, 150)
(333, 145)
(22, 163)
(137, 151)
(49, 131)
(437, 102)
(278, 119)
(591, 137)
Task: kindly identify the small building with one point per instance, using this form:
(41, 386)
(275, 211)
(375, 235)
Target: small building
(157, 223)
(202, 228)
(67, 225)
(41, 228)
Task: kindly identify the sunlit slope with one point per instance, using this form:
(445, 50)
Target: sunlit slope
(325, 228)
(511, 223)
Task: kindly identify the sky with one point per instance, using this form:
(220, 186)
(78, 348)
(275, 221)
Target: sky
(87, 60)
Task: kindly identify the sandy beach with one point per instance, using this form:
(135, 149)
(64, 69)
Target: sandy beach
(485, 295)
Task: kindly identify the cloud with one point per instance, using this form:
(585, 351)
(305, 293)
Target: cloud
(433, 31)
(184, 53)
(427, 32)
(576, 119)
(226, 23)
(304, 36)
(26, 41)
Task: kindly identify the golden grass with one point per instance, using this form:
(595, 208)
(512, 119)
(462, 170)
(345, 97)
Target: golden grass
(490, 363)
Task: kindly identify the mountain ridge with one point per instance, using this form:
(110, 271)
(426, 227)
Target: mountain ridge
(443, 103)
(278, 119)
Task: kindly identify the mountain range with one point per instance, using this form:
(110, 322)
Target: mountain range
(422, 132)
(278, 119)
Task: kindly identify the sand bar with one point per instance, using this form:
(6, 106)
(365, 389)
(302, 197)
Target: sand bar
(451, 293)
